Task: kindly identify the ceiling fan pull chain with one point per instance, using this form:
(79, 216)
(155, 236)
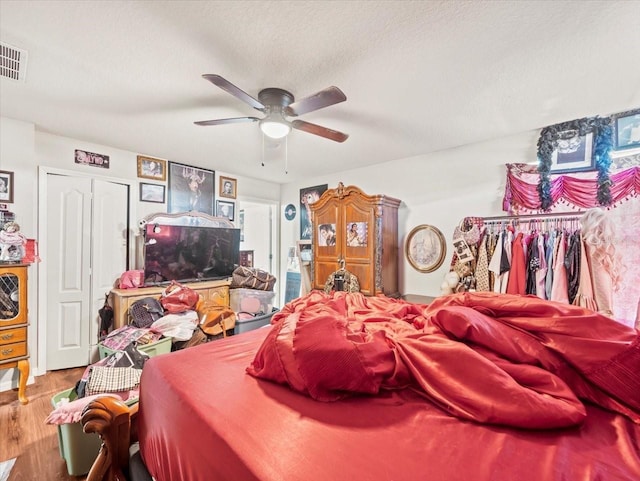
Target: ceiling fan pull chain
(286, 155)
(263, 150)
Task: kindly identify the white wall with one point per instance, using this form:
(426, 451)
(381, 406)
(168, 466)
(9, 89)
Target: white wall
(17, 156)
(23, 150)
(437, 189)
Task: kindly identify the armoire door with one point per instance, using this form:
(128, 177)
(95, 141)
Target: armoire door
(87, 236)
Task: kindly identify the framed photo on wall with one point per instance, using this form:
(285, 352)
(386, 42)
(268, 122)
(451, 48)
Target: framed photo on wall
(228, 187)
(308, 196)
(626, 127)
(152, 193)
(225, 209)
(425, 248)
(150, 168)
(91, 158)
(574, 152)
(6, 186)
(190, 189)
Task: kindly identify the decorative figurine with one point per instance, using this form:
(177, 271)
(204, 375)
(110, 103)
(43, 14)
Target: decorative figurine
(12, 243)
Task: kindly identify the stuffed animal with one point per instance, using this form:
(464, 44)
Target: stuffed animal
(451, 280)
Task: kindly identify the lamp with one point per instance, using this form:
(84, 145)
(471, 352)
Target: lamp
(274, 124)
(274, 127)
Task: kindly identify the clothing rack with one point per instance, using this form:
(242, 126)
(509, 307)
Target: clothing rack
(552, 216)
(535, 221)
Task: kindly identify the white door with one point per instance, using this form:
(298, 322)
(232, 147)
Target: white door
(83, 218)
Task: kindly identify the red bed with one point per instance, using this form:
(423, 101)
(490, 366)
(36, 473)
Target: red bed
(203, 417)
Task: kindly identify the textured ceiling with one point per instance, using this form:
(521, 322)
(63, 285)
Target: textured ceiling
(419, 76)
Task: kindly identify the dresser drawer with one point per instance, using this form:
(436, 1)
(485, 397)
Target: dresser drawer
(10, 336)
(10, 351)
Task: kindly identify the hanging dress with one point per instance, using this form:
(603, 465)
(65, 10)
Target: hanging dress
(518, 272)
(584, 296)
(559, 288)
(602, 284)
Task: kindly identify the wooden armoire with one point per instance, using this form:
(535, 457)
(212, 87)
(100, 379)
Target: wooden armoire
(358, 232)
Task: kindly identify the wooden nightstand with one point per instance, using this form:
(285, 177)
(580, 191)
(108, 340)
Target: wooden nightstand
(14, 320)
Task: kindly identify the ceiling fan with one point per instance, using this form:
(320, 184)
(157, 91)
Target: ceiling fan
(278, 104)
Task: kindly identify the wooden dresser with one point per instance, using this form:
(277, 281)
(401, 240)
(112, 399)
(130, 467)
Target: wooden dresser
(360, 232)
(14, 319)
(217, 291)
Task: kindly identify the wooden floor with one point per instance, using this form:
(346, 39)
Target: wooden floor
(25, 436)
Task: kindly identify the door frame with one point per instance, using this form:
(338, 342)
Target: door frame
(41, 366)
(274, 206)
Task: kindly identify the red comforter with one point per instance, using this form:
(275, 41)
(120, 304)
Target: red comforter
(500, 359)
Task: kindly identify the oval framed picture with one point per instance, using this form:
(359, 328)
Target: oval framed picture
(425, 248)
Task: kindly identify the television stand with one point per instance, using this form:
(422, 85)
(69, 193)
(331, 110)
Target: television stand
(121, 299)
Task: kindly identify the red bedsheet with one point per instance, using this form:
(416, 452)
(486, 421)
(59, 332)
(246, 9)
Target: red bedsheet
(203, 418)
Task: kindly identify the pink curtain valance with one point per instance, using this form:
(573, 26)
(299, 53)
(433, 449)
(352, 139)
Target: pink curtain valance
(579, 189)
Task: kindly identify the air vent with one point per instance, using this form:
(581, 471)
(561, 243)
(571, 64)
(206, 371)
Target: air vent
(13, 63)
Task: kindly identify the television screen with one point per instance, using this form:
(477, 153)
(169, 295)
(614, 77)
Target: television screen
(185, 253)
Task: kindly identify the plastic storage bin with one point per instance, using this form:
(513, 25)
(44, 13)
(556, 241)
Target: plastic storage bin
(251, 300)
(77, 448)
(162, 346)
(244, 324)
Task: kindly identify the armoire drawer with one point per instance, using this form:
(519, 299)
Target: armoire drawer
(11, 351)
(9, 336)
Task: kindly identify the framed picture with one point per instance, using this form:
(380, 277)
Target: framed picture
(626, 127)
(227, 187)
(190, 189)
(6, 186)
(574, 152)
(308, 196)
(425, 248)
(150, 168)
(225, 209)
(91, 158)
(152, 193)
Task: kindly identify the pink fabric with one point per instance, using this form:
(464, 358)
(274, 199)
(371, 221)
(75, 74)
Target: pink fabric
(581, 189)
(71, 412)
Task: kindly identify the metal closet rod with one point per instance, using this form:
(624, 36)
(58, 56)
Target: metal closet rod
(555, 216)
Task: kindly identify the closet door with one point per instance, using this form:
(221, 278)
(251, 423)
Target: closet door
(85, 222)
(328, 240)
(358, 231)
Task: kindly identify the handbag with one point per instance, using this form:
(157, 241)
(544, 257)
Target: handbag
(468, 230)
(216, 319)
(144, 311)
(131, 279)
(252, 278)
(178, 298)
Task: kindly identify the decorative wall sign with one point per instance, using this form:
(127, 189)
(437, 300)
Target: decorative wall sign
(425, 248)
(290, 212)
(190, 188)
(90, 158)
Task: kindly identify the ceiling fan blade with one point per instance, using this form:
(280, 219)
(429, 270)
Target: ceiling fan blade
(235, 120)
(228, 87)
(324, 98)
(319, 130)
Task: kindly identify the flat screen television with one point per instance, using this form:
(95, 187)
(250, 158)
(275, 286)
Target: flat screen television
(189, 253)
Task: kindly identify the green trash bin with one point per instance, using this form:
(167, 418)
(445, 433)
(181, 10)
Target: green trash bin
(77, 448)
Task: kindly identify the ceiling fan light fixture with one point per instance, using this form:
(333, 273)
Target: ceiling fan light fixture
(274, 129)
